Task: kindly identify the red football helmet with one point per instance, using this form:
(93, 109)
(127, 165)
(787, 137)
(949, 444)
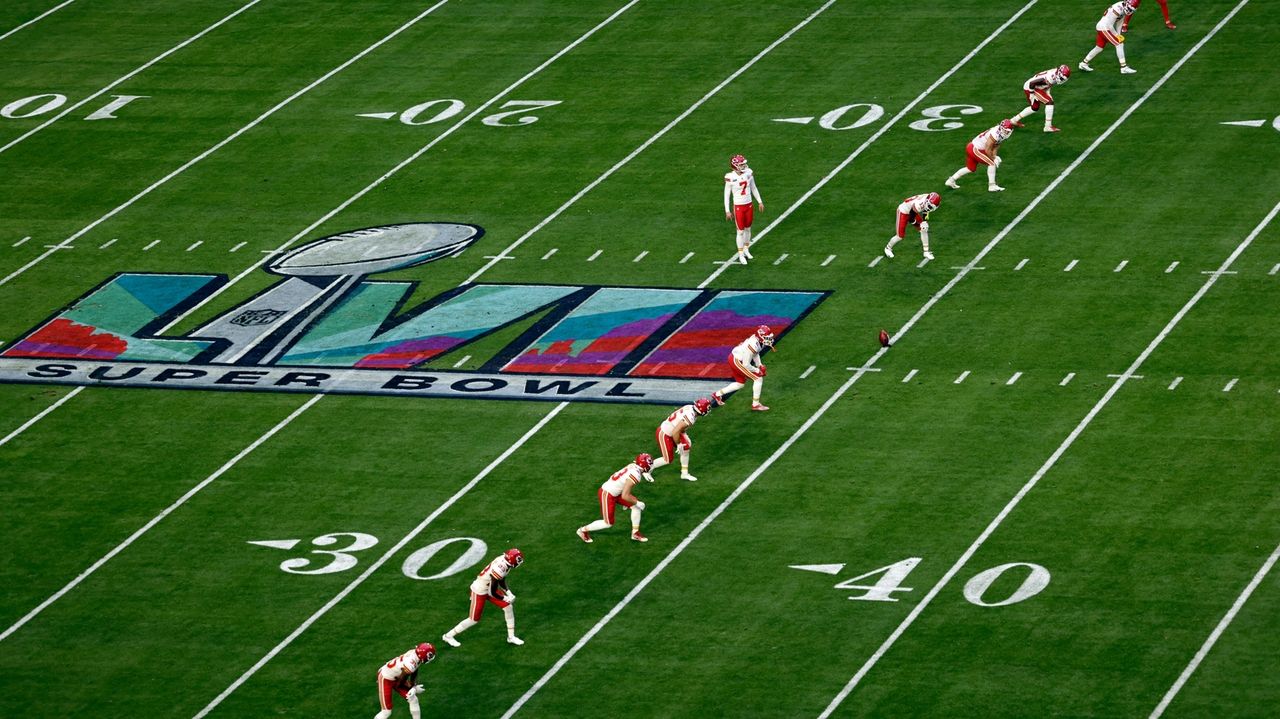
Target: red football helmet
(1064, 72)
(738, 162)
(1130, 6)
(644, 461)
(514, 557)
(426, 652)
(765, 334)
(1006, 125)
(702, 405)
(932, 201)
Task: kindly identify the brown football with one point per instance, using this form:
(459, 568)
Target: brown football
(884, 338)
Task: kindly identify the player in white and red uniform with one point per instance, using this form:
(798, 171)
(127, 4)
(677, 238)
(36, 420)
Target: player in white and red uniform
(673, 436)
(1037, 89)
(1110, 32)
(744, 363)
(984, 150)
(400, 676)
(490, 587)
(1164, 8)
(914, 212)
(617, 490)
(740, 186)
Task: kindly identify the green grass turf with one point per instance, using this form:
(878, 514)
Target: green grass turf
(1150, 525)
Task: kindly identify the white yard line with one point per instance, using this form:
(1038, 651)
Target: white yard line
(1066, 443)
(155, 520)
(386, 556)
(225, 141)
(38, 18)
(909, 107)
(858, 373)
(659, 134)
(123, 78)
(61, 401)
(1216, 633)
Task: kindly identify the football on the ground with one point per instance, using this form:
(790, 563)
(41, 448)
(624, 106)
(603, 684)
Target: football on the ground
(884, 338)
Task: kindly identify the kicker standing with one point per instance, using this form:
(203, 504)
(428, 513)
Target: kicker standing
(740, 186)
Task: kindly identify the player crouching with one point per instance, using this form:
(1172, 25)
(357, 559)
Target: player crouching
(673, 436)
(1037, 90)
(984, 150)
(1109, 32)
(914, 211)
(490, 586)
(744, 364)
(400, 676)
(617, 490)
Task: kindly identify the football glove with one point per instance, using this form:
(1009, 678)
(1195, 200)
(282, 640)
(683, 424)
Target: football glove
(416, 689)
(509, 598)
(640, 505)
(763, 371)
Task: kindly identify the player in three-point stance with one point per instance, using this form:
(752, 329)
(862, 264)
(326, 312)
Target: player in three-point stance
(984, 150)
(1110, 33)
(914, 212)
(1037, 89)
(1164, 8)
(617, 491)
(744, 363)
(490, 586)
(400, 676)
(740, 186)
(673, 437)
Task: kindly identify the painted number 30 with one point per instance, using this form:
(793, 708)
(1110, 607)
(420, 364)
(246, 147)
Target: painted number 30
(341, 556)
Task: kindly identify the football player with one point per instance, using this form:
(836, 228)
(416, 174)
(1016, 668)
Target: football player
(1109, 32)
(673, 437)
(984, 150)
(400, 676)
(914, 211)
(1037, 90)
(1164, 8)
(740, 185)
(744, 363)
(617, 490)
(490, 586)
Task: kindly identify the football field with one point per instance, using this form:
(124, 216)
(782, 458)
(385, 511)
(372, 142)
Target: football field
(233, 485)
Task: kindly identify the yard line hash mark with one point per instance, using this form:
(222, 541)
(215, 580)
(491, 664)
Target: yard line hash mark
(746, 483)
(220, 144)
(1176, 381)
(194, 245)
(962, 377)
(922, 263)
(828, 260)
(127, 76)
(1216, 633)
(1172, 266)
(875, 261)
(151, 244)
(461, 362)
(22, 242)
(688, 256)
(805, 374)
(550, 252)
(1066, 380)
(1014, 378)
(594, 255)
(641, 256)
(999, 519)
(1231, 384)
(1275, 269)
(1021, 264)
(38, 18)
(1121, 266)
(909, 375)
(108, 243)
(781, 258)
(238, 246)
(1070, 266)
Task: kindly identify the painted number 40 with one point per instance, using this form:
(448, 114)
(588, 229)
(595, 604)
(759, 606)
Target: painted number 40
(880, 585)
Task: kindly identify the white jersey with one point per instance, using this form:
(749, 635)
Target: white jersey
(615, 484)
(497, 569)
(1113, 19)
(916, 203)
(989, 140)
(741, 187)
(1044, 80)
(402, 666)
(686, 415)
(748, 351)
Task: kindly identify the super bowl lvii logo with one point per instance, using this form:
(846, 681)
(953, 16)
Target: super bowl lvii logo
(326, 327)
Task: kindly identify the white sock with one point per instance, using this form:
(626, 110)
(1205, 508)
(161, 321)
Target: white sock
(659, 462)
(959, 173)
(463, 626)
(991, 174)
(741, 239)
(755, 390)
(597, 525)
(415, 711)
(1048, 115)
(724, 392)
(635, 519)
(1120, 53)
(509, 612)
(1025, 111)
(384, 714)
(1092, 54)
(893, 241)
(746, 238)
(924, 239)
(684, 462)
